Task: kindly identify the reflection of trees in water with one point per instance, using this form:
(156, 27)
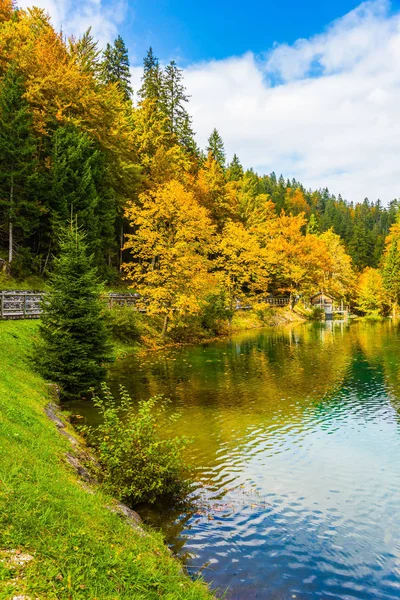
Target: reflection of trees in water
(253, 382)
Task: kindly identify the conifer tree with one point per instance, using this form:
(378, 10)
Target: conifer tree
(174, 98)
(79, 186)
(115, 66)
(235, 169)
(17, 160)
(74, 337)
(151, 79)
(216, 147)
(391, 272)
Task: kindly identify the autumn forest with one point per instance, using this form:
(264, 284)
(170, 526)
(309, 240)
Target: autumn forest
(182, 225)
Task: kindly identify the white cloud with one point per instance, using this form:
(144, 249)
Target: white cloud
(75, 17)
(325, 110)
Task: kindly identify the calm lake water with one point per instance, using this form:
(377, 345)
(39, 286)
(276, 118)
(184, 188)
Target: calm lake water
(297, 454)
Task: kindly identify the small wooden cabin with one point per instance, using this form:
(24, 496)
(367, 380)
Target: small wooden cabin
(324, 301)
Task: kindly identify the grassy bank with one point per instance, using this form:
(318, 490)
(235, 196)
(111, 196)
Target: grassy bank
(57, 540)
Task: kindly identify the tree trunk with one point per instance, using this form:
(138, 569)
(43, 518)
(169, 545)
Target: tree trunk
(121, 244)
(10, 222)
(165, 325)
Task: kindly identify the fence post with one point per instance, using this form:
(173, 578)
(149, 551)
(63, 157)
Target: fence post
(24, 305)
(2, 305)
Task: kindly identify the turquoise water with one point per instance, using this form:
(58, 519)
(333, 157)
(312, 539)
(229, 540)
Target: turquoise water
(297, 456)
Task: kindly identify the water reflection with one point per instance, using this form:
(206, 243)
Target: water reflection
(297, 453)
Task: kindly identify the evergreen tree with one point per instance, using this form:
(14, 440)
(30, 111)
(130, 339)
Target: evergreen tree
(17, 160)
(79, 185)
(115, 66)
(151, 79)
(173, 100)
(235, 169)
(74, 337)
(391, 272)
(216, 147)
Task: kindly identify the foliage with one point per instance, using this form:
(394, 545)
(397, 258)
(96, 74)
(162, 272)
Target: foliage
(317, 314)
(172, 234)
(80, 548)
(371, 297)
(74, 337)
(216, 148)
(137, 464)
(215, 311)
(124, 323)
(115, 67)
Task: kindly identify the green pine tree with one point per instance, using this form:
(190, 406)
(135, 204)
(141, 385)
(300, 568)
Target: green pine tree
(115, 67)
(216, 147)
(18, 162)
(391, 273)
(235, 169)
(151, 79)
(75, 342)
(79, 185)
(174, 98)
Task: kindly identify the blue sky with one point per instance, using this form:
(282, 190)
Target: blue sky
(195, 31)
(306, 88)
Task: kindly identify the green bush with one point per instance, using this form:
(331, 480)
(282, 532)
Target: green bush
(214, 312)
(137, 464)
(317, 314)
(124, 323)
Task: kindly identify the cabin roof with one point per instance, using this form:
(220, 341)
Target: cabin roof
(322, 294)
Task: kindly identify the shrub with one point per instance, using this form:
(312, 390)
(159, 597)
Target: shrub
(124, 323)
(317, 314)
(137, 464)
(214, 312)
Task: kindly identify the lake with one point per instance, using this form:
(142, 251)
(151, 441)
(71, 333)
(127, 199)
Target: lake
(297, 456)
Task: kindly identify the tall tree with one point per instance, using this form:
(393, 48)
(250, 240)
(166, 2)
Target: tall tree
(17, 159)
(75, 342)
(174, 99)
(79, 185)
(216, 147)
(86, 52)
(115, 66)
(170, 244)
(391, 268)
(151, 88)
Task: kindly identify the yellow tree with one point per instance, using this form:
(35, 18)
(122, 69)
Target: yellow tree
(209, 189)
(296, 202)
(371, 296)
(241, 263)
(339, 276)
(169, 250)
(296, 260)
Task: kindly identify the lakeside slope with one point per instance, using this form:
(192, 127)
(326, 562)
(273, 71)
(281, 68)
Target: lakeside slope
(57, 540)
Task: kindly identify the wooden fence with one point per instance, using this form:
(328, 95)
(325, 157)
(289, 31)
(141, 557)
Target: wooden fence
(27, 304)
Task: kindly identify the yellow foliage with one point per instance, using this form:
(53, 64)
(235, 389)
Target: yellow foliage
(169, 250)
(241, 262)
(370, 292)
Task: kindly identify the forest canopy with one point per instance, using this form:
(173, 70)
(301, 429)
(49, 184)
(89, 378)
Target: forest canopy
(176, 221)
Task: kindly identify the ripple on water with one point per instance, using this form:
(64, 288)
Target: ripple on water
(297, 448)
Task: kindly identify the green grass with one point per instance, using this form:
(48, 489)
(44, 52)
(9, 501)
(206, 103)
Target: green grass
(79, 549)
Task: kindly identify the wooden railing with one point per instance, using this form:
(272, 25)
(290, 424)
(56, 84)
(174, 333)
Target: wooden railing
(20, 305)
(27, 304)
